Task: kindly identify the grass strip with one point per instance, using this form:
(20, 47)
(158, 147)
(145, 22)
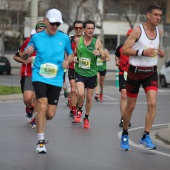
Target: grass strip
(6, 90)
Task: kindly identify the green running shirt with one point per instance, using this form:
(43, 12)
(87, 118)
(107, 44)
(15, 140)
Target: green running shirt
(101, 65)
(86, 65)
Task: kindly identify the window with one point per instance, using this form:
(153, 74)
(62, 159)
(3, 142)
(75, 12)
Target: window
(110, 42)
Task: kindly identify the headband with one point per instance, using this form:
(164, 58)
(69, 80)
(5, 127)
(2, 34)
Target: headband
(40, 24)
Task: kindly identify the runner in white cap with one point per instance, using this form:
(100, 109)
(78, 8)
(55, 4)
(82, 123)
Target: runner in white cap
(50, 46)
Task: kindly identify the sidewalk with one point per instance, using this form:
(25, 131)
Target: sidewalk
(4, 98)
(163, 134)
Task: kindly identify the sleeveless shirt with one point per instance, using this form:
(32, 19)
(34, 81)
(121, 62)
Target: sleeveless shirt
(144, 43)
(101, 65)
(86, 65)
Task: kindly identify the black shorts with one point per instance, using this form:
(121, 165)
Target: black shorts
(122, 82)
(26, 83)
(71, 74)
(146, 76)
(89, 82)
(51, 92)
(102, 73)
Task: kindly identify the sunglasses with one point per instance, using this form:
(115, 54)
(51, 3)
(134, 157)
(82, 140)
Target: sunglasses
(55, 23)
(78, 28)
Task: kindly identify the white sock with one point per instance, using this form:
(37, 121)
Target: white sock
(40, 136)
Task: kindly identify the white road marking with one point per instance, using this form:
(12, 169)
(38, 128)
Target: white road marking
(109, 103)
(108, 97)
(138, 146)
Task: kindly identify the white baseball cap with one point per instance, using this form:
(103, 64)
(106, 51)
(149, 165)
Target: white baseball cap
(54, 15)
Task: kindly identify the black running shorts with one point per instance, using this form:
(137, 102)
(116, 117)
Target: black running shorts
(89, 82)
(122, 82)
(48, 91)
(102, 73)
(71, 74)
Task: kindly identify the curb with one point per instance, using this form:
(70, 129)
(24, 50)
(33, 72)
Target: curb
(163, 134)
(11, 97)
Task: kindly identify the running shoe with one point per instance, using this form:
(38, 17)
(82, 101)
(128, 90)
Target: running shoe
(96, 98)
(86, 123)
(147, 143)
(121, 123)
(78, 117)
(74, 111)
(29, 114)
(71, 113)
(124, 145)
(101, 96)
(65, 93)
(33, 124)
(40, 148)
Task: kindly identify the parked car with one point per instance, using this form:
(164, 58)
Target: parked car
(164, 75)
(5, 65)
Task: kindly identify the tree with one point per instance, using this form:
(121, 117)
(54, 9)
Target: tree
(130, 9)
(11, 20)
(73, 10)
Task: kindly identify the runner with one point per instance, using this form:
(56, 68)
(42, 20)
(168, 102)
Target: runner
(26, 76)
(102, 69)
(50, 46)
(143, 48)
(78, 27)
(122, 62)
(88, 50)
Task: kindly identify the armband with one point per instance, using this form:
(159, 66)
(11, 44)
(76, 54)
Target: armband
(143, 53)
(137, 52)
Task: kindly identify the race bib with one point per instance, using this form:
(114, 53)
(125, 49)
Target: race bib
(99, 62)
(84, 63)
(48, 70)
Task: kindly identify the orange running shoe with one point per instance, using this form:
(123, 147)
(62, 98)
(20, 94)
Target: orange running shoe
(86, 123)
(101, 96)
(78, 117)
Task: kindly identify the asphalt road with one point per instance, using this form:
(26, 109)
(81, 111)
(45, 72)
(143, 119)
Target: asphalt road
(71, 147)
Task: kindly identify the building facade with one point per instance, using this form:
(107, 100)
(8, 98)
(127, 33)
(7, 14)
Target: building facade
(112, 17)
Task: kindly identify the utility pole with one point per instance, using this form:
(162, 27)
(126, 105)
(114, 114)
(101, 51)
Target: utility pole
(2, 37)
(34, 13)
(101, 9)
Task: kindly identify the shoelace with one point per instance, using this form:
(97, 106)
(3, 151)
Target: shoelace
(86, 121)
(79, 115)
(42, 142)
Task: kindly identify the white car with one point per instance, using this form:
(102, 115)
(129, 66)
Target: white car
(164, 75)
